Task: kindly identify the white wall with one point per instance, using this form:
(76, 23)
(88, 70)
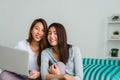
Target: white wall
(84, 21)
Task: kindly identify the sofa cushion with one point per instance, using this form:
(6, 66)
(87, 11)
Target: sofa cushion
(90, 61)
(101, 72)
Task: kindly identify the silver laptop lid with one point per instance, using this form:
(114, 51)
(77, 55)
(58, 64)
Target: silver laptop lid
(14, 60)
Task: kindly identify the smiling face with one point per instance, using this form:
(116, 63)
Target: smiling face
(37, 31)
(52, 36)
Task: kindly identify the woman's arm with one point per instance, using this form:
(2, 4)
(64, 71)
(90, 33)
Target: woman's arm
(68, 77)
(55, 77)
(44, 64)
(78, 63)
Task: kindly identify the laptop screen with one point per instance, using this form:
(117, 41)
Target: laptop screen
(14, 60)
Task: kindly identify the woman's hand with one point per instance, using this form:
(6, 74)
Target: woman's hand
(54, 69)
(34, 74)
(68, 77)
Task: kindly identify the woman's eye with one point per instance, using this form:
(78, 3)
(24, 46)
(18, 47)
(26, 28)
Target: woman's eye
(36, 28)
(55, 33)
(49, 33)
(43, 30)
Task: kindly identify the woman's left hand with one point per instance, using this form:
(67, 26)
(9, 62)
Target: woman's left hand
(34, 74)
(54, 69)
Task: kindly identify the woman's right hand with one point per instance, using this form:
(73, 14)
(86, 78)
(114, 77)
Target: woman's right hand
(34, 74)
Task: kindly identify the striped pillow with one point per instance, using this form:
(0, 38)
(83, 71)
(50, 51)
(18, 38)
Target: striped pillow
(101, 72)
(101, 61)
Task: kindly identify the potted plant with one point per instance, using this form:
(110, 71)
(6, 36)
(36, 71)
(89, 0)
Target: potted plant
(114, 52)
(116, 17)
(116, 33)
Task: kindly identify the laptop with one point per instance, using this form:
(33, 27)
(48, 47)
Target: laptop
(14, 60)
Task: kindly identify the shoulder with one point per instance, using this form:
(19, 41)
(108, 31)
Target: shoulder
(46, 51)
(74, 50)
(22, 44)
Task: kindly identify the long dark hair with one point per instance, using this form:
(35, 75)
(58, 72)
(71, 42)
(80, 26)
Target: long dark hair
(62, 41)
(42, 42)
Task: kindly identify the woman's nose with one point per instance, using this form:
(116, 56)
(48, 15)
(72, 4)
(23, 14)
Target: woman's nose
(52, 35)
(40, 32)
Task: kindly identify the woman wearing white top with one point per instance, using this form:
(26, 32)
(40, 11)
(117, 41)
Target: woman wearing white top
(35, 43)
